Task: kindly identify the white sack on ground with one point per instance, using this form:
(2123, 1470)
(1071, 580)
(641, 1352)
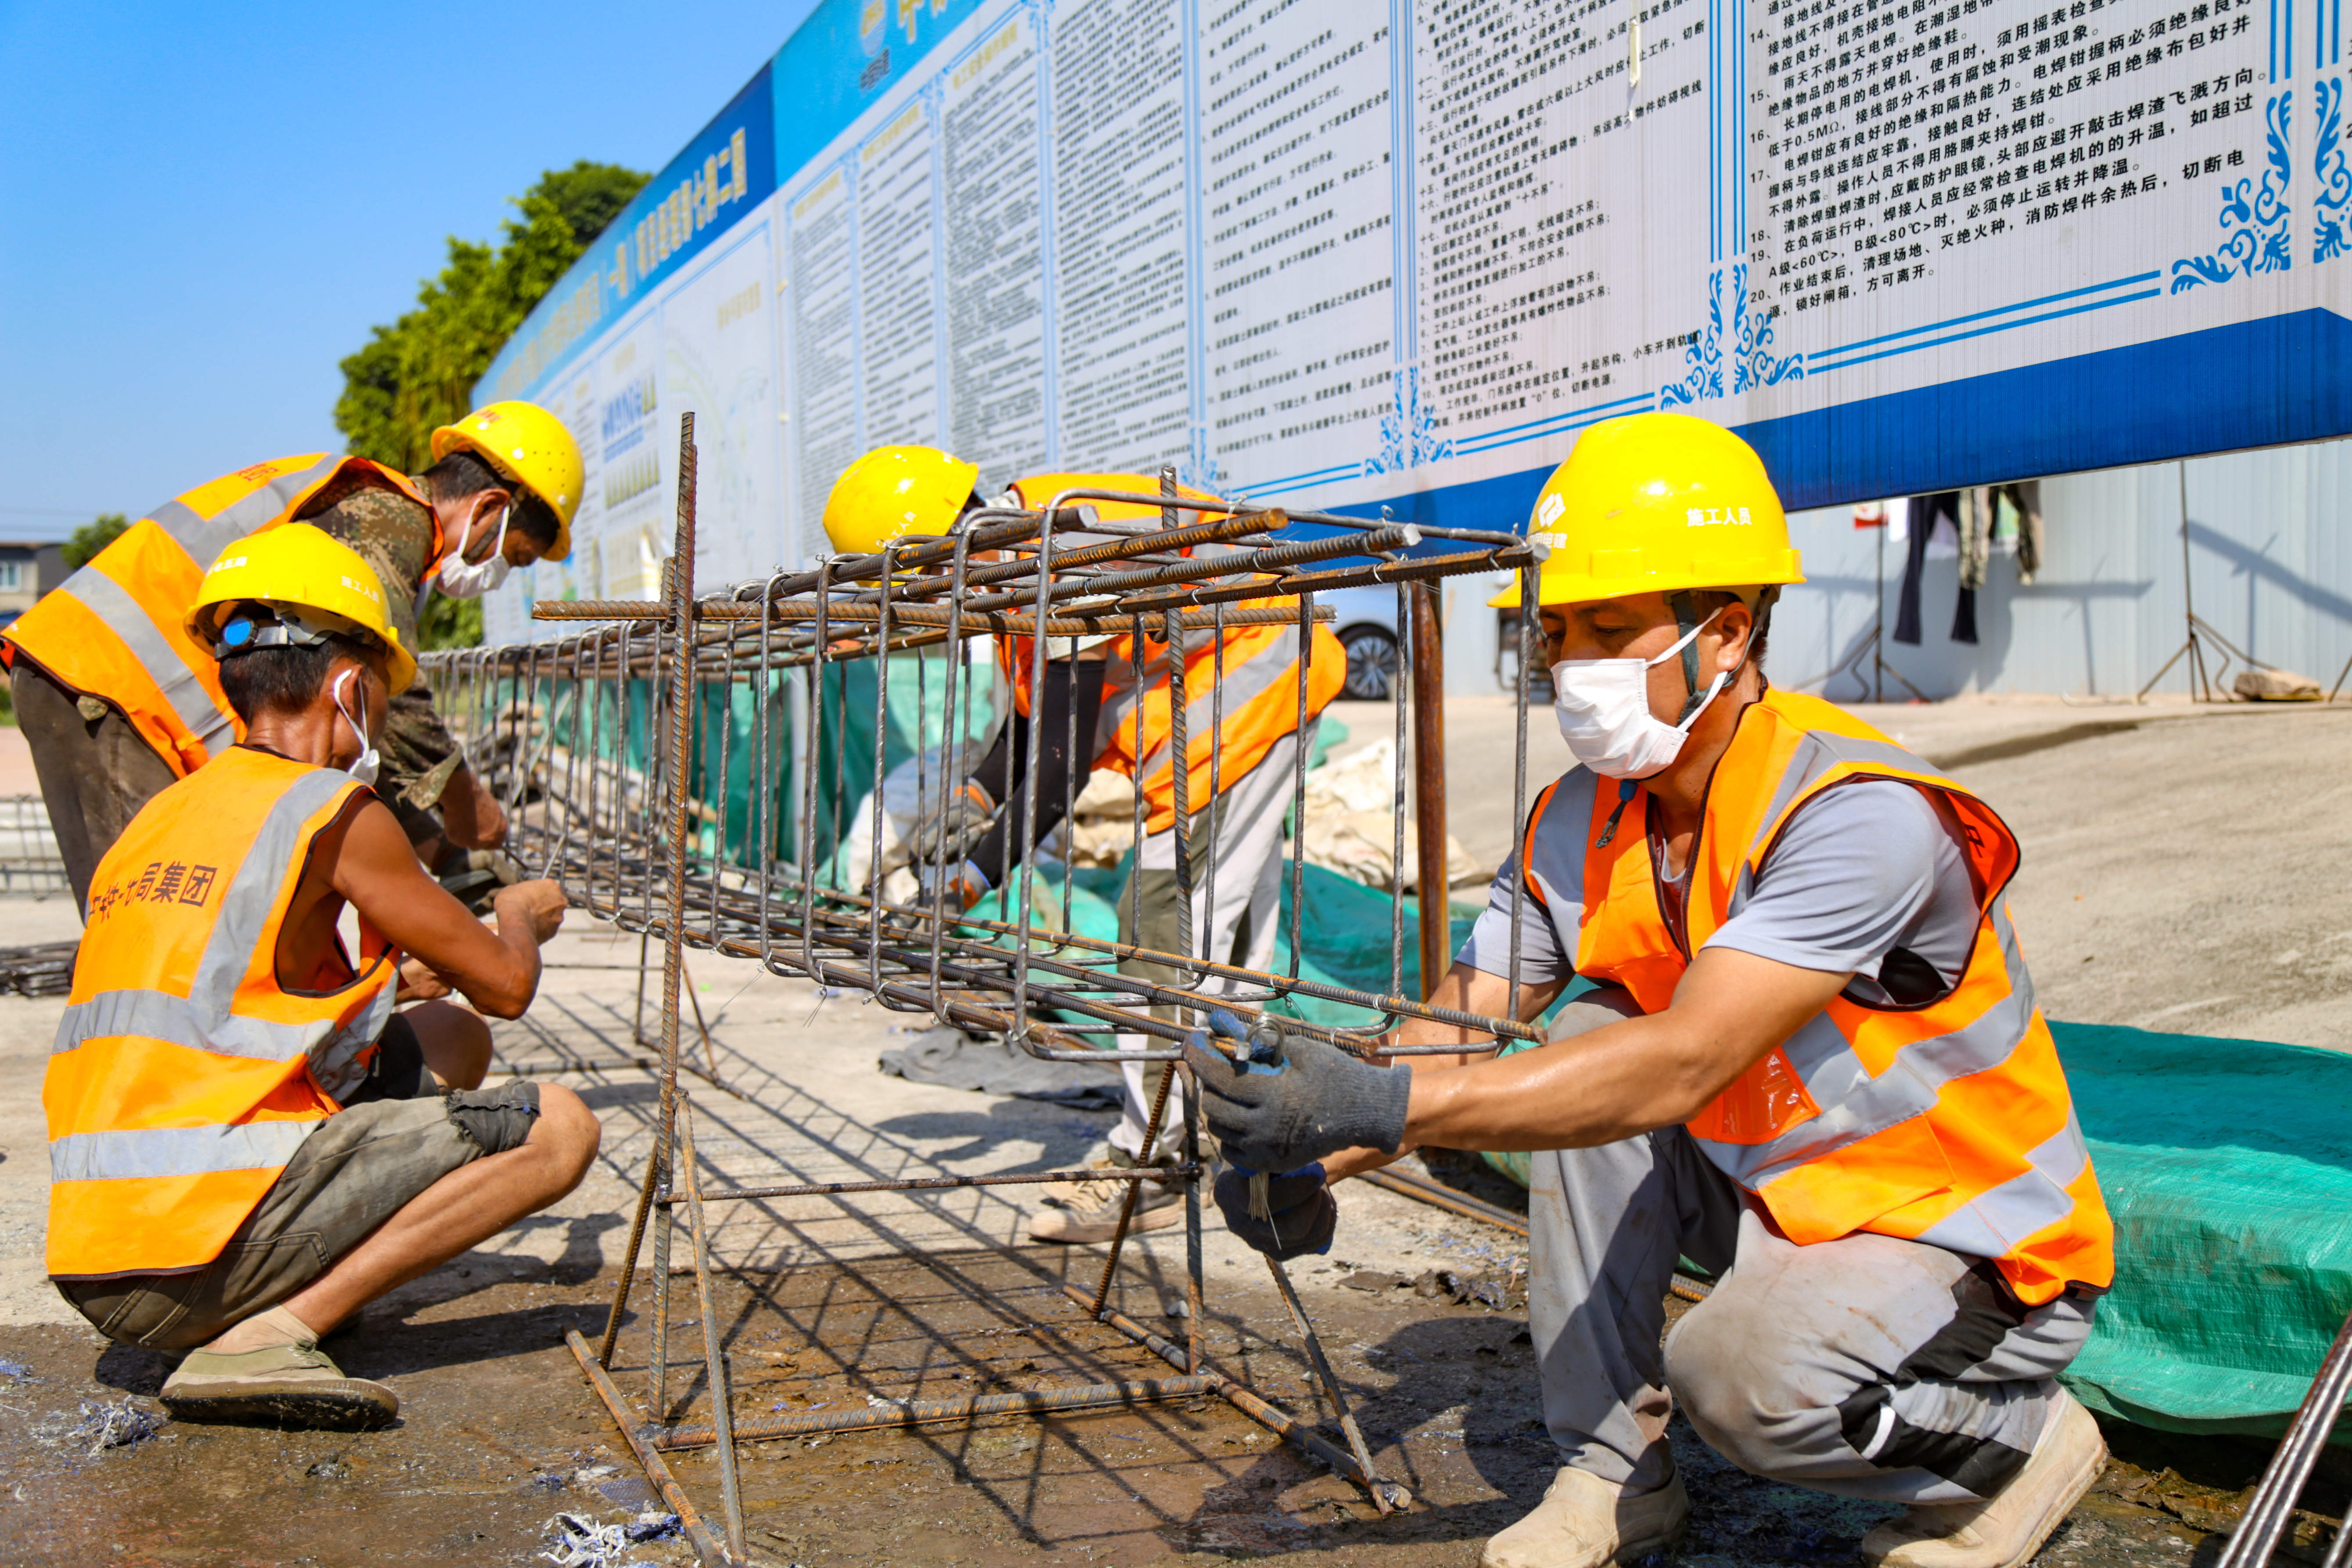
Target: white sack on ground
(1352, 825)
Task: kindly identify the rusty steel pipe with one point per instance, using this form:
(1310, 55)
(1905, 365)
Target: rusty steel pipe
(1429, 784)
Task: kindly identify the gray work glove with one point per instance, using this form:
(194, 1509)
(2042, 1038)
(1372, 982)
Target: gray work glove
(1315, 1099)
(949, 828)
(1293, 1214)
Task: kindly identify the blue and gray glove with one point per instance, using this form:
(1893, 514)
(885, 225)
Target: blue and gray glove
(1283, 1217)
(1291, 1101)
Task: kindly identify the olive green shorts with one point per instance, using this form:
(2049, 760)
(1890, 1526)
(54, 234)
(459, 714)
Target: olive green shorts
(358, 1169)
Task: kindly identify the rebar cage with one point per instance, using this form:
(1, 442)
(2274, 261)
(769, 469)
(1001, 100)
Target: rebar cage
(740, 773)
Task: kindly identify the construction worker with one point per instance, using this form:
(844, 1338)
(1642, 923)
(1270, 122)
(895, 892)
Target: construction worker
(1093, 688)
(246, 1143)
(1812, 1064)
(116, 702)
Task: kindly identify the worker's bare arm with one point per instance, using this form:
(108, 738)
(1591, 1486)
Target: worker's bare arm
(497, 970)
(1625, 1078)
(1466, 990)
(470, 817)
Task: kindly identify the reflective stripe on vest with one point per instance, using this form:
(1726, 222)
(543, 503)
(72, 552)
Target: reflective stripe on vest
(184, 1076)
(165, 664)
(113, 629)
(1259, 708)
(174, 1151)
(1950, 1122)
(1260, 702)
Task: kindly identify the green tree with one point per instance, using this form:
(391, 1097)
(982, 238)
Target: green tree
(419, 371)
(92, 537)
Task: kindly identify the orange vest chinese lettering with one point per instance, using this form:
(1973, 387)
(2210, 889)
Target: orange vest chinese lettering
(185, 1075)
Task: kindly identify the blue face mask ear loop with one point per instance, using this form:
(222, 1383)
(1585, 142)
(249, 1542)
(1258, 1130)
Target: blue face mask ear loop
(1686, 622)
(1625, 788)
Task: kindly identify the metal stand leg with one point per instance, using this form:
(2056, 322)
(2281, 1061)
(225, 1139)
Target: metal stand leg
(714, 1353)
(1329, 1380)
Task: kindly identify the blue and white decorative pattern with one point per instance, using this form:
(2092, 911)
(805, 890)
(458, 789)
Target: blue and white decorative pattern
(2254, 222)
(1758, 366)
(1409, 436)
(1703, 357)
(1753, 363)
(2331, 208)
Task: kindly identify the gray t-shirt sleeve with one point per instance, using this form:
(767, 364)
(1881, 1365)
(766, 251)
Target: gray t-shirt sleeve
(1489, 947)
(1869, 878)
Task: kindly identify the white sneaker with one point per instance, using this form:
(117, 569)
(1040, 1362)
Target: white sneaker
(2008, 1529)
(1093, 1216)
(1584, 1521)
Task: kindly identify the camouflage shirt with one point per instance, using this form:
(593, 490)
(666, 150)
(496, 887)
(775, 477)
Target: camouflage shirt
(394, 536)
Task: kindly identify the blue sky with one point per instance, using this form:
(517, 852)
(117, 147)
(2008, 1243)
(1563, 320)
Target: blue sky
(203, 209)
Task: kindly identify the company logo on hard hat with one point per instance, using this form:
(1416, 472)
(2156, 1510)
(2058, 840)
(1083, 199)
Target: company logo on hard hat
(1716, 517)
(361, 589)
(228, 563)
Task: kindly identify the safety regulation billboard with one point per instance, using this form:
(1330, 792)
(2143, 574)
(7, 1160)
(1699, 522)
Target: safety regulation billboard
(1367, 255)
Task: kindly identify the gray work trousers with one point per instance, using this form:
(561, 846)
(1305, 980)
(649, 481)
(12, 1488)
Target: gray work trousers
(1235, 850)
(1868, 1366)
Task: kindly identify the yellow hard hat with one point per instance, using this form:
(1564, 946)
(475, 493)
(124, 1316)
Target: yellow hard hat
(316, 583)
(529, 446)
(893, 491)
(1657, 503)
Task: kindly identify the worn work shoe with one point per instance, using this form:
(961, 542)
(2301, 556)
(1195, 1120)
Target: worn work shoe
(1584, 1521)
(290, 1385)
(1090, 1214)
(2007, 1531)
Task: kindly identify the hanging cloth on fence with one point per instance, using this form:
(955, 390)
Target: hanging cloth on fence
(1927, 513)
(1973, 516)
(2024, 498)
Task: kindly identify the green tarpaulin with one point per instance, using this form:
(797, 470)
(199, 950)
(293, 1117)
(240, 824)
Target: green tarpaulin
(1343, 941)
(2228, 1167)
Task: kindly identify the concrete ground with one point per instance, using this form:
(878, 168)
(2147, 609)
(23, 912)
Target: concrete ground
(2179, 874)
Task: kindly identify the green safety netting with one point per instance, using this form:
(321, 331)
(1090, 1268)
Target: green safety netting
(2228, 1167)
(729, 738)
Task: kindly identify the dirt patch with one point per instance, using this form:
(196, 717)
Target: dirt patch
(499, 1434)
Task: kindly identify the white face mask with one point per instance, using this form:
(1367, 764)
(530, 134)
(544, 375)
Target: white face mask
(363, 769)
(1604, 712)
(464, 579)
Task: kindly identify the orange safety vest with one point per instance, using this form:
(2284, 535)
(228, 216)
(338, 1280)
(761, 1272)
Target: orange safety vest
(113, 629)
(1949, 1123)
(184, 1076)
(1260, 685)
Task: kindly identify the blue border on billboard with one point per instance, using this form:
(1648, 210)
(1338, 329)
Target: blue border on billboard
(2264, 383)
(722, 177)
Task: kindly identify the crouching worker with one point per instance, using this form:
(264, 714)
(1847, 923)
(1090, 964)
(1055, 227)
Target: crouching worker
(1812, 1064)
(246, 1143)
